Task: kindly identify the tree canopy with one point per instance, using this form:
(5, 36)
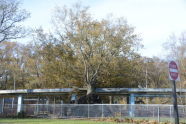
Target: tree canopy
(10, 18)
(81, 52)
(97, 49)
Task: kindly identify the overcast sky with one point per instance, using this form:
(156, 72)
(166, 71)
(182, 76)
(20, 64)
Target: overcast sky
(154, 20)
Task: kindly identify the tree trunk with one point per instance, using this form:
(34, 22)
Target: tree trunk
(90, 89)
(90, 97)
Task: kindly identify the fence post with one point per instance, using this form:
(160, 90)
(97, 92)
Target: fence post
(158, 114)
(88, 110)
(54, 105)
(37, 106)
(102, 110)
(47, 104)
(170, 111)
(61, 110)
(153, 111)
(120, 112)
(3, 102)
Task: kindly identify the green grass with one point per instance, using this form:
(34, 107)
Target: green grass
(50, 121)
(65, 121)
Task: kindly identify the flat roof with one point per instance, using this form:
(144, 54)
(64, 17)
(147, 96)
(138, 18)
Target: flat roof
(103, 91)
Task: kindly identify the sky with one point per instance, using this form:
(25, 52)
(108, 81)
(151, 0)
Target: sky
(154, 20)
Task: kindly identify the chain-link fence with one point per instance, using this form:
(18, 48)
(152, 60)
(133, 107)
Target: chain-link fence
(139, 111)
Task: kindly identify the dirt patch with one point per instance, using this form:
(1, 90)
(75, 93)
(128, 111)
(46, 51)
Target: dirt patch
(131, 121)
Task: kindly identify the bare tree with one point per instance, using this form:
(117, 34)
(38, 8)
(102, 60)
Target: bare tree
(11, 17)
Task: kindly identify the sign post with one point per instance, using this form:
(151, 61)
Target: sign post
(174, 76)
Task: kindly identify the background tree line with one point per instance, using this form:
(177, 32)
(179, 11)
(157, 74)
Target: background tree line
(80, 52)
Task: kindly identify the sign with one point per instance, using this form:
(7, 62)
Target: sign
(173, 75)
(173, 71)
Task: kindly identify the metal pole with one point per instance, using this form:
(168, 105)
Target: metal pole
(170, 110)
(37, 106)
(153, 111)
(176, 115)
(158, 114)
(3, 105)
(146, 76)
(146, 84)
(54, 105)
(88, 110)
(61, 109)
(102, 110)
(121, 112)
(12, 102)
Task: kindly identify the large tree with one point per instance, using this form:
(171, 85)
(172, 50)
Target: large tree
(10, 18)
(96, 44)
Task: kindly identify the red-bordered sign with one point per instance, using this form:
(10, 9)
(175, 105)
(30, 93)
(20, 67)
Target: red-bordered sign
(173, 71)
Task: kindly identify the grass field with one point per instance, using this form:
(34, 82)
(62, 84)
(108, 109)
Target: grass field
(50, 121)
(65, 121)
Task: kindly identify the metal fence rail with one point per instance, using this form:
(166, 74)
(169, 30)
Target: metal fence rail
(147, 111)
